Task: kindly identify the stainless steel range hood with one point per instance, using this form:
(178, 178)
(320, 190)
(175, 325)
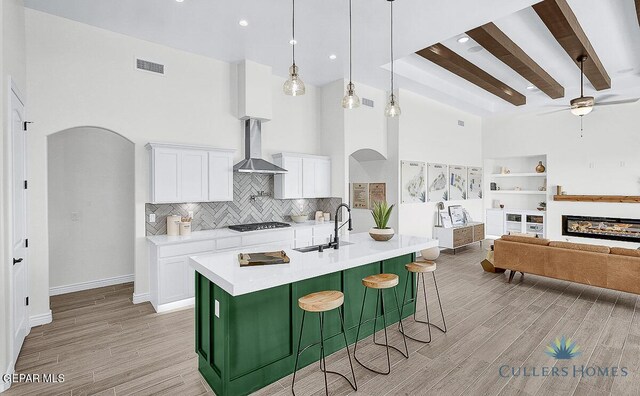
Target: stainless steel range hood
(253, 162)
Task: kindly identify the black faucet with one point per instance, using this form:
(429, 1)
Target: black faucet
(336, 240)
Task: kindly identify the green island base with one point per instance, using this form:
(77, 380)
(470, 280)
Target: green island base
(253, 342)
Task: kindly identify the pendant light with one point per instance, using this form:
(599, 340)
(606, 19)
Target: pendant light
(392, 109)
(294, 86)
(350, 100)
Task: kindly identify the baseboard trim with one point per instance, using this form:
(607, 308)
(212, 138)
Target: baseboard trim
(116, 280)
(186, 303)
(39, 320)
(6, 385)
(141, 297)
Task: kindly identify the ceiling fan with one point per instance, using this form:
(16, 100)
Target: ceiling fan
(583, 105)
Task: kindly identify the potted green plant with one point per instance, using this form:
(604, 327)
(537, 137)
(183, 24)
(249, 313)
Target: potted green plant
(381, 213)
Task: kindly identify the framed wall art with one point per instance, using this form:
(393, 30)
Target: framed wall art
(437, 186)
(412, 178)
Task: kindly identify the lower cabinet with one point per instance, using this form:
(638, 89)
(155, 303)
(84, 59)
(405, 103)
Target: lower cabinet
(172, 278)
(455, 237)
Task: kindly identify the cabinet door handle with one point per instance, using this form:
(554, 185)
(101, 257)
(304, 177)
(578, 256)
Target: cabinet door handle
(16, 261)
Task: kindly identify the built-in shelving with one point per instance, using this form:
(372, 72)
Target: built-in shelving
(518, 192)
(519, 175)
(598, 198)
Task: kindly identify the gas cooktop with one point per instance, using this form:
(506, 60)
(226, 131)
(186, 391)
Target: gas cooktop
(258, 226)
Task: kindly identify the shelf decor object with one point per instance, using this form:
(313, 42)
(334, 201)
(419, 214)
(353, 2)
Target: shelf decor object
(540, 168)
(598, 198)
(294, 86)
(392, 108)
(350, 100)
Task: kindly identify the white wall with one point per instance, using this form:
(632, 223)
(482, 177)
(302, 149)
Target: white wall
(429, 132)
(605, 160)
(12, 50)
(91, 206)
(84, 76)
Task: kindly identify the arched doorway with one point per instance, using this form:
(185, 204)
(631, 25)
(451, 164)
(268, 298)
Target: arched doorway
(90, 209)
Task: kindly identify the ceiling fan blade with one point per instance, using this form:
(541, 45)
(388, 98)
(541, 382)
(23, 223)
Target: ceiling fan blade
(605, 97)
(617, 102)
(554, 111)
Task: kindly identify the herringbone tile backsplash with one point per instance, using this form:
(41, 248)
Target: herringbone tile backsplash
(242, 210)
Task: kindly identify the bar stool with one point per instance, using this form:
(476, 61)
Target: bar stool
(322, 302)
(380, 282)
(420, 268)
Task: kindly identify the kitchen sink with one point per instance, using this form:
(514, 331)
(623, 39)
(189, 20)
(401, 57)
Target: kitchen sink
(315, 248)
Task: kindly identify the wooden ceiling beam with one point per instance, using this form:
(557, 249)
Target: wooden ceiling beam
(502, 47)
(564, 26)
(456, 64)
(638, 10)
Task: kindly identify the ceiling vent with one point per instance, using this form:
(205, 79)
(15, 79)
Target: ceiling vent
(149, 66)
(367, 102)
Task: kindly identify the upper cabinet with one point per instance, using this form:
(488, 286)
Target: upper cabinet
(308, 176)
(220, 176)
(181, 173)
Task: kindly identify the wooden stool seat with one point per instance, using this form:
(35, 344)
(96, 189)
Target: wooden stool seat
(381, 281)
(321, 301)
(421, 266)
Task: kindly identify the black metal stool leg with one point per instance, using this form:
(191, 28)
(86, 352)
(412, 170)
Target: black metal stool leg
(406, 348)
(440, 304)
(346, 345)
(364, 298)
(326, 383)
(295, 367)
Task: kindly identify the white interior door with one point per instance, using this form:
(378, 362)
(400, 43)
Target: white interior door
(19, 269)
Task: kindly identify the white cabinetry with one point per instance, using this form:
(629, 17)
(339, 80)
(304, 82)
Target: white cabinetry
(495, 222)
(308, 176)
(220, 176)
(181, 173)
(289, 185)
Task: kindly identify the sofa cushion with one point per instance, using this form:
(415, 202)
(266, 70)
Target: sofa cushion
(525, 239)
(625, 252)
(581, 246)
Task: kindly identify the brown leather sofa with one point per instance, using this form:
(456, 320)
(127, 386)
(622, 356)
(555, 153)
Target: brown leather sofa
(611, 268)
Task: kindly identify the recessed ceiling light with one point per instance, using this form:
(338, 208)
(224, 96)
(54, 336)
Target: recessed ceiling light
(243, 22)
(531, 87)
(463, 39)
(332, 56)
(477, 48)
(293, 42)
(179, 1)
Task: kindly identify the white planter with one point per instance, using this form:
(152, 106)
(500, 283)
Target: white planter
(383, 234)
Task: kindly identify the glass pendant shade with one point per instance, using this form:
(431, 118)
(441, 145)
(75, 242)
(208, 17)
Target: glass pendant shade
(294, 85)
(350, 100)
(392, 109)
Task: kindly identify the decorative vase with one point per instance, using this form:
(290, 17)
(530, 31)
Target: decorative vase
(381, 234)
(540, 168)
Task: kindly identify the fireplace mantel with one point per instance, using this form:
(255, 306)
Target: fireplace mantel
(598, 198)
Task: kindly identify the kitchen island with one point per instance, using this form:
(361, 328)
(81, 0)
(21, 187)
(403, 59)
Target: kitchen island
(248, 320)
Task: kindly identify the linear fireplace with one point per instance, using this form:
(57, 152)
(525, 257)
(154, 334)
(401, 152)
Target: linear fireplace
(602, 228)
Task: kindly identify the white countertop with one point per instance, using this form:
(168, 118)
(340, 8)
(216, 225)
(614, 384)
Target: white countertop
(224, 270)
(159, 240)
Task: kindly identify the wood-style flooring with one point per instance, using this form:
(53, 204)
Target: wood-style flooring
(105, 345)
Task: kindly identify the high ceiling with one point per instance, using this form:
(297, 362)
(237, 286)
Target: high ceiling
(211, 28)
